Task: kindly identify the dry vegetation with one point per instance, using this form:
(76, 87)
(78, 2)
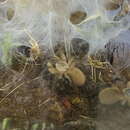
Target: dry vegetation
(63, 91)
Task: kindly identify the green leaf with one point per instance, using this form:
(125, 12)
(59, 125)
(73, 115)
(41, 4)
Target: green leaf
(36, 126)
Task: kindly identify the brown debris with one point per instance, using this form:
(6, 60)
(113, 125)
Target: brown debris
(77, 17)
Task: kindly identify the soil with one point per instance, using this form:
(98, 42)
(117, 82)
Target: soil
(37, 96)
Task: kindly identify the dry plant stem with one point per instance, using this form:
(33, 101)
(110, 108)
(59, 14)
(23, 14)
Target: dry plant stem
(96, 64)
(46, 101)
(11, 92)
(85, 117)
(5, 87)
(94, 77)
(100, 77)
(15, 90)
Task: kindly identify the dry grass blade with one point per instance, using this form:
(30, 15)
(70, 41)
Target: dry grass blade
(5, 87)
(11, 92)
(46, 101)
(96, 63)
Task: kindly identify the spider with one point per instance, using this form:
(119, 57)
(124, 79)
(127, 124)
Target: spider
(62, 66)
(34, 49)
(26, 57)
